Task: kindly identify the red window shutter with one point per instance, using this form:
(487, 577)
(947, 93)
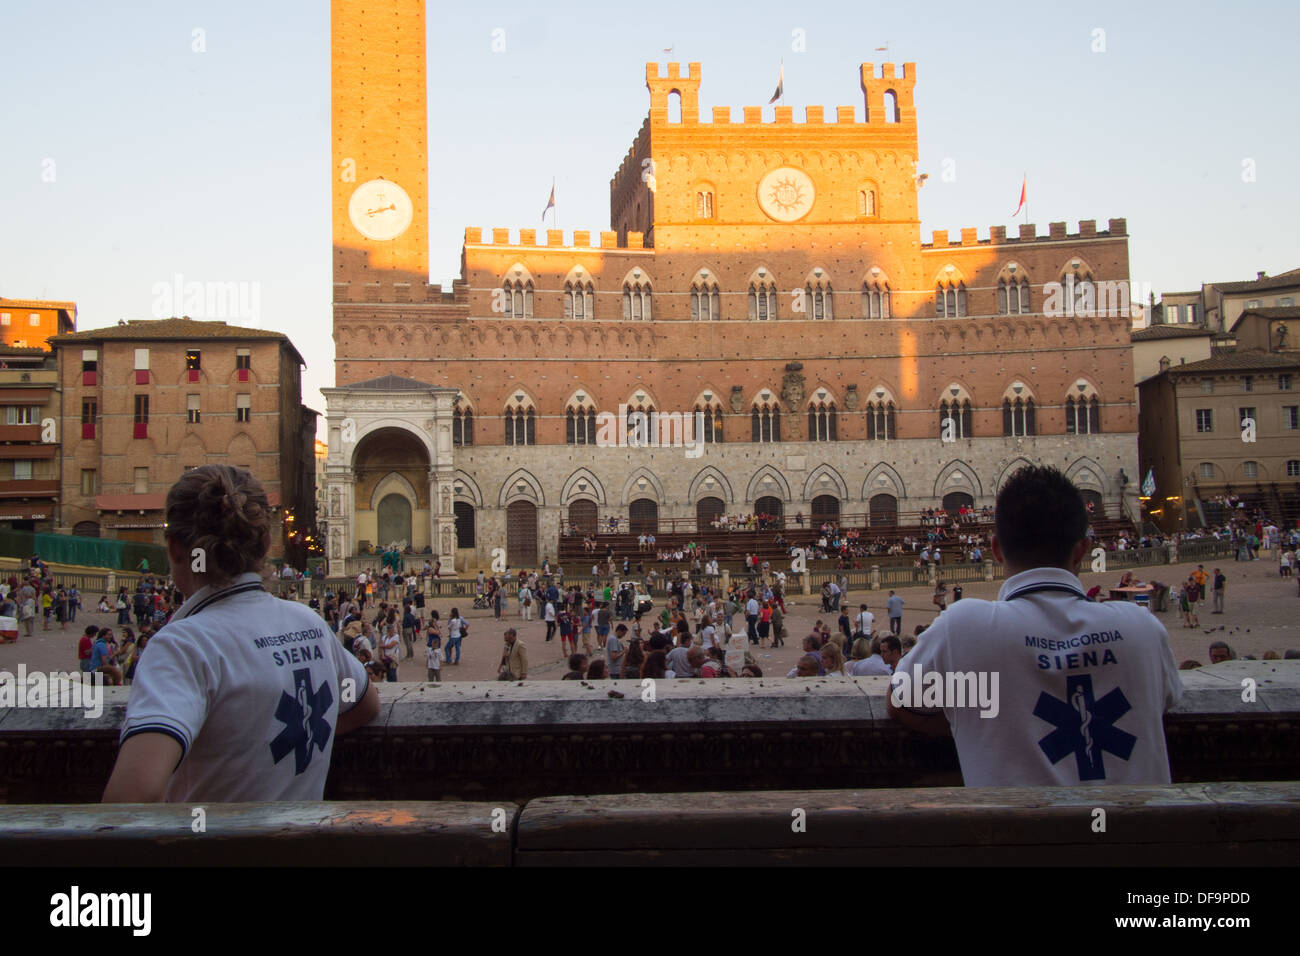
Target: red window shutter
(243, 374)
(194, 375)
(89, 378)
(87, 430)
(142, 376)
(141, 429)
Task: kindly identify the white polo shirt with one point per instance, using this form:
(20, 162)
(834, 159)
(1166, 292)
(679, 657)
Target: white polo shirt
(251, 687)
(1082, 687)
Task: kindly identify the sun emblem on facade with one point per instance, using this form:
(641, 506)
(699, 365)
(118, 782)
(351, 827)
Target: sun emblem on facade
(786, 194)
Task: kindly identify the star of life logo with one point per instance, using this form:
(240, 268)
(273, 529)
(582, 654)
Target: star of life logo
(1084, 727)
(303, 716)
(946, 689)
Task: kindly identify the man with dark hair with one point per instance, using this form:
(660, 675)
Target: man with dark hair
(1220, 652)
(891, 650)
(1078, 689)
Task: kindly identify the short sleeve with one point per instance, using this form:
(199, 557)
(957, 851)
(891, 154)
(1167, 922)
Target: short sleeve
(349, 667)
(171, 693)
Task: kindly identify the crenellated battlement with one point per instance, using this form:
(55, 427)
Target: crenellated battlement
(1026, 232)
(531, 239)
(888, 101)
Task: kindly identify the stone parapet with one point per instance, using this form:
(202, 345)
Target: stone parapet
(494, 741)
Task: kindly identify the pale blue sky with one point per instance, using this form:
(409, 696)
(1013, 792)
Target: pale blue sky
(216, 165)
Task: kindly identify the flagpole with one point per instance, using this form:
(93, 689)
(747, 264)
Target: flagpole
(1025, 180)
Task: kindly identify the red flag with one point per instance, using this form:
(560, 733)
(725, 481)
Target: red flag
(1023, 187)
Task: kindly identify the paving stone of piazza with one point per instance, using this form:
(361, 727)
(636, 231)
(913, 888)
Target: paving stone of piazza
(1262, 609)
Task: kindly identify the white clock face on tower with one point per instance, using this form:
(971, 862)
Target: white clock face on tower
(786, 194)
(380, 210)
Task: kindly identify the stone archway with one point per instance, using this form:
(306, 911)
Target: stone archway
(391, 468)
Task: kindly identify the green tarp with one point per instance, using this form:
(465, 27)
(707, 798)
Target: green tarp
(90, 552)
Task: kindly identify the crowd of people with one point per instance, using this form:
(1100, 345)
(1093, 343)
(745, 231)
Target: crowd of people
(32, 593)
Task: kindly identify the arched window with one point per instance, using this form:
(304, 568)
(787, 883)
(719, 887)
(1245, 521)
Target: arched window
(579, 300)
(1082, 416)
(517, 299)
(462, 426)
(704, 204)
(959, 411)
(762, 302)
(636, 302)
(1018, 417)
(866, 202)
(712, 432)
(822, 425)
(580, 425)
(892, 114)
(950, 300)
(521, 424)
(880, 421)
(766, 422)
(641, 426)
(1013, 297)
(1082, 292)
(706, 303)
(875, 300)
(819, 300)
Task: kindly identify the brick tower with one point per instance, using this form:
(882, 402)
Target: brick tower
(380, 169)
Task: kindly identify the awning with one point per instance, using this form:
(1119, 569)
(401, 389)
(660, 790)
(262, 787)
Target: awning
(25, 396)
(14, 514)
(32, 452)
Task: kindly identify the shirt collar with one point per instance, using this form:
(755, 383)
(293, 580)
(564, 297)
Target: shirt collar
(200, 598)
(1036, 576)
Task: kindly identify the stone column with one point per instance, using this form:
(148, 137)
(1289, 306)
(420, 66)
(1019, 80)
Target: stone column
(931, 573)
(875, 577)
(988, 569)
(342, 528)
(442, 514)
(805, 580)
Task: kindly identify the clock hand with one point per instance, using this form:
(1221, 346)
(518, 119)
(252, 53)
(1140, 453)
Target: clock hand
(373, 212)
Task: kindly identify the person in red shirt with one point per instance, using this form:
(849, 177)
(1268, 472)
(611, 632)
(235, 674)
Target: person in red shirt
(84, 647)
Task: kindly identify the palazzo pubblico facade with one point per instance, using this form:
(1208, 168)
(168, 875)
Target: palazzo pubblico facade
(768, 274)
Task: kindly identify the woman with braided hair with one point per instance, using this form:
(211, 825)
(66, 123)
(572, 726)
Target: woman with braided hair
(241, 694)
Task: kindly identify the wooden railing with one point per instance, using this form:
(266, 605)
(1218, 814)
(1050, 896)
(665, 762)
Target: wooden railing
(1204, 824)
